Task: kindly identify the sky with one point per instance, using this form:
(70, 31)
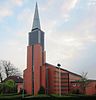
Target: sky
(70, 32)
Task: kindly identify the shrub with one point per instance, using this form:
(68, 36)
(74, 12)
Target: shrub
(41, 90)
(76, 91)
(8, 87)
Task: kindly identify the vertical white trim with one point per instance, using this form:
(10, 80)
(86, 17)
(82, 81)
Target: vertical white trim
(39, 37)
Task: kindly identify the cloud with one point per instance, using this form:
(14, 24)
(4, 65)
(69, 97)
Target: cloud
(85, 30)
(16, 2)
(74, 48)
(67, 7)
(92, 3)
(25, 17)
(4, 12)
(66, 42)
(16, 49)
(49, 25)
(7, 8)
(46, 5)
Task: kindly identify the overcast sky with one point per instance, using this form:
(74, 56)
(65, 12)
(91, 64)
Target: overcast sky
(70, 32)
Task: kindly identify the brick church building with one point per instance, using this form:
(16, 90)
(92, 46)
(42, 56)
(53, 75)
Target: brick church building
(55, 80)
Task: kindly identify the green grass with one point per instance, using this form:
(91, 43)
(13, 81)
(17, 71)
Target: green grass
(47, 97)
(15, 97)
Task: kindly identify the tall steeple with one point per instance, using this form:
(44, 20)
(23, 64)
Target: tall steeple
(36, 21)
(36, 36)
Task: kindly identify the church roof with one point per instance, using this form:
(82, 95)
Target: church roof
(36, 21)
(16, 79)
(64, 70)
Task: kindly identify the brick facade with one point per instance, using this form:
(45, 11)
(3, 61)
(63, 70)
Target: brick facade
(39, 73)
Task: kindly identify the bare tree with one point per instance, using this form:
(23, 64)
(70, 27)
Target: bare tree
(9, 69)
(1, 76)
(84, 82)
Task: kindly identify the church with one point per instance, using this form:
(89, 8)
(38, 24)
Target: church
(39, 73)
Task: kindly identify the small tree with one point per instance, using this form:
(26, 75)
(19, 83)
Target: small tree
(41, 90)
(11, 86)
(1, 88)
(8, 87)
(84, 82)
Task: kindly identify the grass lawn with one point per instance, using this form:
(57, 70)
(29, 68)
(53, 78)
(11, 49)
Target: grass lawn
(46, 97)
(10, 96)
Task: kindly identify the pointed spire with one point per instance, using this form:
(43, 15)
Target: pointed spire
(36, 21)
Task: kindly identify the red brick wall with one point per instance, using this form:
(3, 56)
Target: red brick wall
(91, 88)
(19, 86)
(64, 82)
(44, 57)
(73, 77)
(51, 78)
(54, 82)
(74, 86)
(28, 72)
(43, 76)
(37, 65)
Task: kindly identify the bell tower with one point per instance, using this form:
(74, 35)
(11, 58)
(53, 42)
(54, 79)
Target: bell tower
(35, 57)
(36, 36)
